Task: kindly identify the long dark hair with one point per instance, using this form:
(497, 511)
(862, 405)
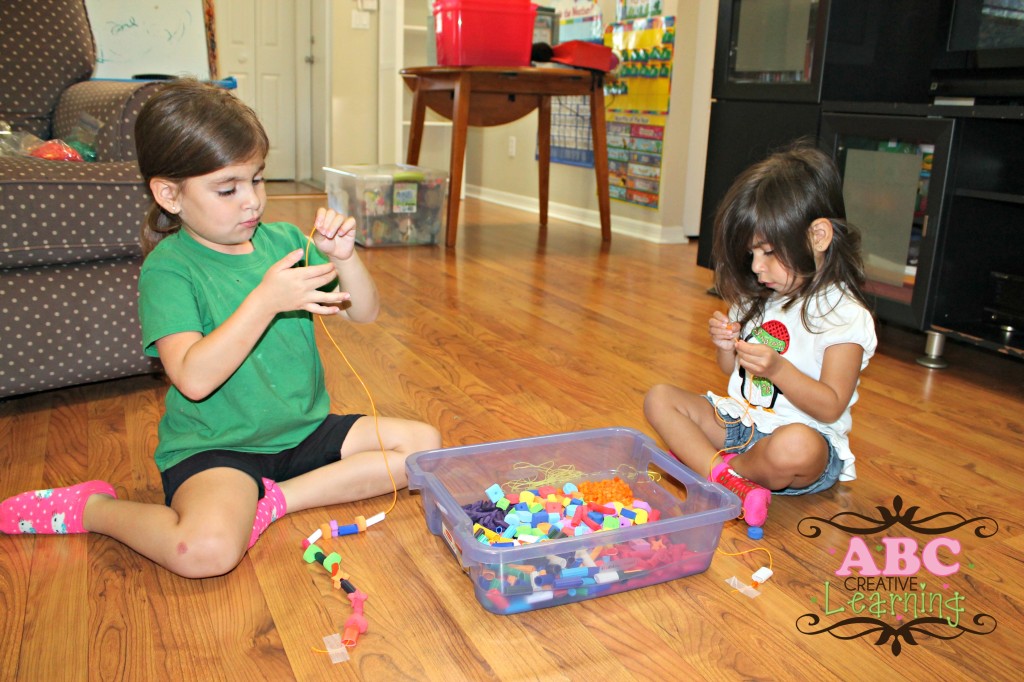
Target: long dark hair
(774, 202)
(190, 128)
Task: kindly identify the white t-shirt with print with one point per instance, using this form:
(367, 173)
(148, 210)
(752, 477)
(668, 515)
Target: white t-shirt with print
(834, 319)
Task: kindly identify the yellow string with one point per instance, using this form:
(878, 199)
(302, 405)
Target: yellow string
(373, 405)
(552, 475)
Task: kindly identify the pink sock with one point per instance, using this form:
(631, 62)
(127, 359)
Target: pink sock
(50, 511)
(269, 509)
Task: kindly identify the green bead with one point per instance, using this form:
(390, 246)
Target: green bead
(310, 554)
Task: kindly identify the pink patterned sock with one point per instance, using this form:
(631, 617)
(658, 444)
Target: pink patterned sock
(50, 511)
(269, 509)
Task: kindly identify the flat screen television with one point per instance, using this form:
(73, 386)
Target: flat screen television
(983, 55)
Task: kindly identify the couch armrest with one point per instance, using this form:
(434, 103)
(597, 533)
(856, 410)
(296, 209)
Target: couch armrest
(116, 104)
(56, 212)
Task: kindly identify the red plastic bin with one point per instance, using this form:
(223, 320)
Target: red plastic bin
(484, 32)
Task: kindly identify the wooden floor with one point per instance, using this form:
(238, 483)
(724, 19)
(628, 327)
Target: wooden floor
(519, 333)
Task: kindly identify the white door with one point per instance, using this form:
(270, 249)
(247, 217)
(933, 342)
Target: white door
(256, 45)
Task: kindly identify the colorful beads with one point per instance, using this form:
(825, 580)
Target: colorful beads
(313, 553)
(331, 529)
(608, 490)
(547, 513)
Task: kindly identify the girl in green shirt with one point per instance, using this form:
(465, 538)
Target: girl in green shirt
(227, 304)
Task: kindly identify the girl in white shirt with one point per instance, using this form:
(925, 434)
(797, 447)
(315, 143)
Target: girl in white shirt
(797, 335)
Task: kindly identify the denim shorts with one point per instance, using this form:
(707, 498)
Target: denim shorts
(737, 433)
(320, 448)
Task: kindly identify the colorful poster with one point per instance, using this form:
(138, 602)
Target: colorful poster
(637, 99)
(635, 143)
(642, 82)
(578, 19)
(636, 9)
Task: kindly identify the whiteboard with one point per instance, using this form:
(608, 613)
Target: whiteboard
(136, 37)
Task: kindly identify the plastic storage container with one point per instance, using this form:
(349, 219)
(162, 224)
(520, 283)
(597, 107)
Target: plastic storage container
(394, 205)
(522, 578)
(484, 32)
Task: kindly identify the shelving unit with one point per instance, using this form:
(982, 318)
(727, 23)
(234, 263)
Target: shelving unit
(973, 273)
(405, 40)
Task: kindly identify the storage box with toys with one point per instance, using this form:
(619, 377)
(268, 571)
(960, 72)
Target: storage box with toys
(394, 205)
(552, 520)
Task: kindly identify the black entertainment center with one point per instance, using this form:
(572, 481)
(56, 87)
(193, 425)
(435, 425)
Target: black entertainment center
(921, 103)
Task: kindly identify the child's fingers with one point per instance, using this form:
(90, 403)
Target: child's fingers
(348, 226)
(331, 224)
(289, 261)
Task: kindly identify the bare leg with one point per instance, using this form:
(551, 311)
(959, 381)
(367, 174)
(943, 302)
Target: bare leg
(360, 473)
(687, 423)
(203, 533)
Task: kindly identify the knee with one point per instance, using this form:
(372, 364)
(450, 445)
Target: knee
(657, 398)
(797, 447)
(421, 436)
(418, 437)
(206, 555)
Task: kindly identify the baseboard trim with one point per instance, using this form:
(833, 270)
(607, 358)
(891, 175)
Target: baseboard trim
(620, 225)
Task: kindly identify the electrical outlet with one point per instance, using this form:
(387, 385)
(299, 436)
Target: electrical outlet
(511, 145)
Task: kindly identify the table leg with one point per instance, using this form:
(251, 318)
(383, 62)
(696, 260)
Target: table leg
(460, 122)
(544, 154)
(599, 131)
(419, 114)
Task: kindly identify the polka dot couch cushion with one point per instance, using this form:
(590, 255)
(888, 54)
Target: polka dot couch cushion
(69, 254)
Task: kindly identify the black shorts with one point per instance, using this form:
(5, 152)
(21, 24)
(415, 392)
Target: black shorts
(320, 448)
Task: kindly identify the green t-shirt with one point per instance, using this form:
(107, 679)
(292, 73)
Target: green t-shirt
(277, 396)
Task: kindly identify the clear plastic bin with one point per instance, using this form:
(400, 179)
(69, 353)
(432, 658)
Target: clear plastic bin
(515, 579)
(394, 205)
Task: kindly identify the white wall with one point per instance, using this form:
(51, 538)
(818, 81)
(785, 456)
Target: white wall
(353, 76)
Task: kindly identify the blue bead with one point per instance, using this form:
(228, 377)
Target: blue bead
(755, 532)
(494, 493)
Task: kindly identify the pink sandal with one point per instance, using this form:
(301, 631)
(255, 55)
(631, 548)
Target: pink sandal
(50, 511)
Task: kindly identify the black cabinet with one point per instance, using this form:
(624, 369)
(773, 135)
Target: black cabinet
(894, 171)
(938, 192)
(776, 61)
(980, 289)
(740, 134)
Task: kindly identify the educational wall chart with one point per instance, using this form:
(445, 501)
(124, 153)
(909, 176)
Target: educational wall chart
(638, 101)
(571, 141)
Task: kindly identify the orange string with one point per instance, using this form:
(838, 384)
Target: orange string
(373, 405)
(726, 422)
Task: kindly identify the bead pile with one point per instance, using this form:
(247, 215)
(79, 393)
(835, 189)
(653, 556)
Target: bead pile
(548, 513)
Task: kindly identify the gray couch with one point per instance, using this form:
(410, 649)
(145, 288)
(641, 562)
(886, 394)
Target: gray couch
(69, 254)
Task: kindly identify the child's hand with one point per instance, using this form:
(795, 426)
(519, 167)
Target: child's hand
(758, 359)
(723, 332)
(335, 234)
(285, 287)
